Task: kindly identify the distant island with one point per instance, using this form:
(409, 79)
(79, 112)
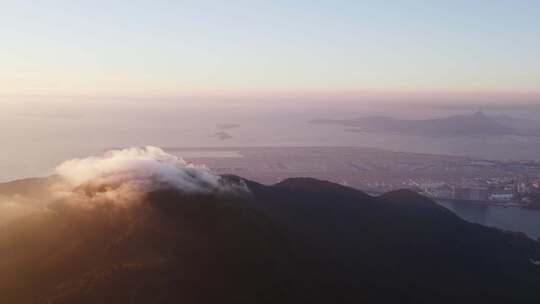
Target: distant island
(453, 126)
(222, 135)
(227, 126)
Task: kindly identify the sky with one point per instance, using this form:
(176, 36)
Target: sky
(184, 48)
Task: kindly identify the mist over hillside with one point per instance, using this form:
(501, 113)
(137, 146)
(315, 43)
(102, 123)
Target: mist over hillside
(140, 226)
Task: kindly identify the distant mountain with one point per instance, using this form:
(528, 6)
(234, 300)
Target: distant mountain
(222, 135)
(227, 126)
(460, 125)
(524, 126)
(299, 241)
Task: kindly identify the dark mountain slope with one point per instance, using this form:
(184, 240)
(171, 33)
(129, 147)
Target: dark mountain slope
(299, 241)
(177, 248)
(404, 242)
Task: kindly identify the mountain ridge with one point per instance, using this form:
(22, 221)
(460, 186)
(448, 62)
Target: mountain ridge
(301, 240)
(452, 126)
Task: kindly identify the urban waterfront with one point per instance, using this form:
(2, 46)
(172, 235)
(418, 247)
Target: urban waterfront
(474, 188)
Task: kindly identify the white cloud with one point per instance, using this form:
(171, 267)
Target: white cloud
(122, 176)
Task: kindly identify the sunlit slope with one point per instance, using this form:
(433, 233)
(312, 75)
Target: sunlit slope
(299, 241)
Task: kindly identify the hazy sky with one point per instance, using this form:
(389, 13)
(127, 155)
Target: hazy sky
(169, 48)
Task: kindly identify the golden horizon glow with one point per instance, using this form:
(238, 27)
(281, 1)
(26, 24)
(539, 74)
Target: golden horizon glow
(210, 48)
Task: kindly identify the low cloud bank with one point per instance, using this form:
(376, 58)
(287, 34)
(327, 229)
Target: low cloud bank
(147, 168)
(122, 176)
(118, 179)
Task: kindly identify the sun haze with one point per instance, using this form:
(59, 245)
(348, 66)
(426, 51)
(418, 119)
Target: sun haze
(173, 48)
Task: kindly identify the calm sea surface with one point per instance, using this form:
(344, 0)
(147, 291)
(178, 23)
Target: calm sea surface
(511, 218)
(37, 138)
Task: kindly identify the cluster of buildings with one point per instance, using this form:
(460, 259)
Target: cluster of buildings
(522, 191)
(376, 171)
